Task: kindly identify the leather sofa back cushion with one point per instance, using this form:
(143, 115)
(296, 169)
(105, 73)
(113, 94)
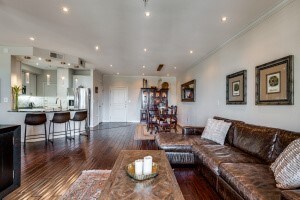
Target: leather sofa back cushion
(284, 138)
(230, 134)
(255, 140)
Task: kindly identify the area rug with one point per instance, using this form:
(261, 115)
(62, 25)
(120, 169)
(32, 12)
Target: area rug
(88, 186)
(141, 132)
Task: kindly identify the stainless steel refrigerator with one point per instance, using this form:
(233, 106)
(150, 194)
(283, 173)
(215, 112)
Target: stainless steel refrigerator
(82, 100)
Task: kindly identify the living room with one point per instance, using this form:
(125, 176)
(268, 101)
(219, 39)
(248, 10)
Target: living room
(206, 92)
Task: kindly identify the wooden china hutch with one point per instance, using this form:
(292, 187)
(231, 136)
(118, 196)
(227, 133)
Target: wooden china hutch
(152, 99)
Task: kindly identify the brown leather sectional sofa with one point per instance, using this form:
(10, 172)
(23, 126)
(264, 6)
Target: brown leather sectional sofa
(240, 169)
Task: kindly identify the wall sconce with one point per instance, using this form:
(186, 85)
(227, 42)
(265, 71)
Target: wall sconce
(27, 78)
(63, 80)
(76, 82)
(48, 79)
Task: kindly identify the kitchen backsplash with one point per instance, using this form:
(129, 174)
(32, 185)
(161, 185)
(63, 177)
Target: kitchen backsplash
(45, 102)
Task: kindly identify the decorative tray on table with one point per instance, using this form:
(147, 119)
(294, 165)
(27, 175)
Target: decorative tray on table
(130, 169)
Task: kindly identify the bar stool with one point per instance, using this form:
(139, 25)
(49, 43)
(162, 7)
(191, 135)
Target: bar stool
(59, 118)
(80, 116)
(35, 119)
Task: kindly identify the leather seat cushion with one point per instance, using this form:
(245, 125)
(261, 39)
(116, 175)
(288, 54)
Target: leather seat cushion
(291, 194)
(251, 181)
(214, 155)
(179, 142)
(174, 142)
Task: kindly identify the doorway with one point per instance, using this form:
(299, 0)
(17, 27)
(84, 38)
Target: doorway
(118, 104)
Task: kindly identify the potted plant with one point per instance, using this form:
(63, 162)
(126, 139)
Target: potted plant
(16, 91)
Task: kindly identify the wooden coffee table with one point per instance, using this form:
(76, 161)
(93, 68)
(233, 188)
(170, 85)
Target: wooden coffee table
(121, 186)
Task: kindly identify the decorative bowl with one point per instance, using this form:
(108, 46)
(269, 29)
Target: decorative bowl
(130, 169)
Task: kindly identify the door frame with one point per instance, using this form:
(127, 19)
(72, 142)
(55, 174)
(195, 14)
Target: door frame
(126, 103)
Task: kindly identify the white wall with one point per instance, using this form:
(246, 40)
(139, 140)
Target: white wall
(274, 38)
(96, 98)
(134, 85)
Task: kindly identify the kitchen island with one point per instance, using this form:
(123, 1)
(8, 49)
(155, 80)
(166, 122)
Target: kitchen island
(18, 117)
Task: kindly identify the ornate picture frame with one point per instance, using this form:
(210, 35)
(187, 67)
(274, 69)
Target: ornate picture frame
(236, 88)
(275, 82)
(188, 91)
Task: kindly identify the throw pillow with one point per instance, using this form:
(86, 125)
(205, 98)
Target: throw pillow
(208, 129)
(286, 167)
(216, 130)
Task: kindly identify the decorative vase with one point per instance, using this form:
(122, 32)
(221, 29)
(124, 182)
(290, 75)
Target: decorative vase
(15, 95)
(16, 102)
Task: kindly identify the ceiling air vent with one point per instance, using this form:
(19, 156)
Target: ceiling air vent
(159, 68)
(56, 55)
(81, 63)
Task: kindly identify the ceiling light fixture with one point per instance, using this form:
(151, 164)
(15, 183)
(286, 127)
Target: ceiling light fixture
(145, 49)
(118, 73)
(168, 74)
(110, 65)
(144, 66)
(31, 38)
(147, 13)
(175, 67)
(224, 19)
(65, 9)
(191, 51)
(40, 58)
(69, 64)
(143, 74)
(37, 63)
(97, 48)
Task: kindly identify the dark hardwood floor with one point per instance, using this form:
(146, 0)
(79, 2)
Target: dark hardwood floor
(49, 170)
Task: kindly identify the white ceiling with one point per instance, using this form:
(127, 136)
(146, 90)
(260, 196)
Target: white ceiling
(122, 30)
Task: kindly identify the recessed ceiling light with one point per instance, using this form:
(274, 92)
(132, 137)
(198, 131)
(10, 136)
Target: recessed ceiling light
(143, 74)
(97, 48)
(31, 38)
(145, 49)
(40, 58)
(65, 9)
(175, 67)
(147, 14)
(69, 64)
(110, 65)
(144, 66)
(118, 73)
(191, 51)
(224, 19)
(37, 63)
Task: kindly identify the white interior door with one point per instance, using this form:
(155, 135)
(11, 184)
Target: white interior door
(118, 104)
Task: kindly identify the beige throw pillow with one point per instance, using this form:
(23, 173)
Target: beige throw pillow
(216, 130)
(286, 167)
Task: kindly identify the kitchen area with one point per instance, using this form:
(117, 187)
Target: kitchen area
(48, 83)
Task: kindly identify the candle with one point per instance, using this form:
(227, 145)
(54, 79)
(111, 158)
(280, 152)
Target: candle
(147, 169)
(138, 167)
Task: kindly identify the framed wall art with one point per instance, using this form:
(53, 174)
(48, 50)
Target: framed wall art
(188, 91)
(236, 88)
(275, 82)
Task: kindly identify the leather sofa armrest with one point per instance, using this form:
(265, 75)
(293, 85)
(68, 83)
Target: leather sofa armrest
(192, 130)
(290, 194)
